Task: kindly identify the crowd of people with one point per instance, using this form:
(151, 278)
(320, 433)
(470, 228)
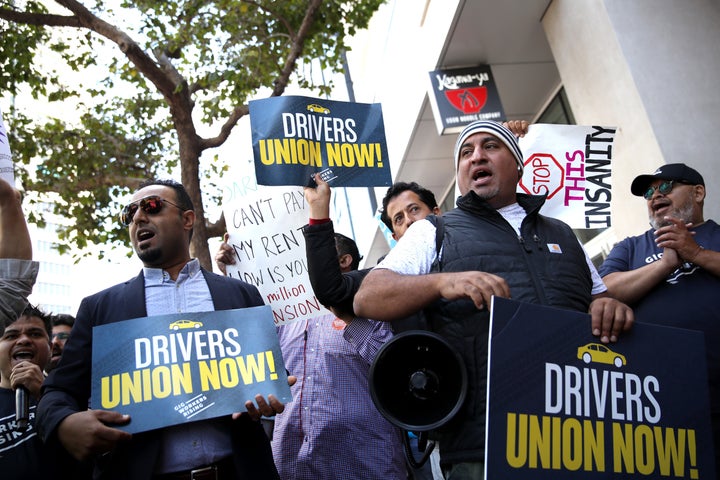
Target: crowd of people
(441, 276)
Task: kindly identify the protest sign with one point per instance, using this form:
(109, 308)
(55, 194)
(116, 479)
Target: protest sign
(172, 369)
(7, 171)
(265, 230)
(572, 165)
(294, 137)
(563, 406)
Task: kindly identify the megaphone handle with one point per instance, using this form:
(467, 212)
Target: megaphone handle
(422, 444)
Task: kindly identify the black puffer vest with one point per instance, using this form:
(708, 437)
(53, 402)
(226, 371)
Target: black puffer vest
(545, 265)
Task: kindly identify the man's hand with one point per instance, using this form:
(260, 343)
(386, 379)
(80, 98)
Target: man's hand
(477, 286)
(28, 375)
(678, 237)
(518, 127)
(609, 317)
(268, 408)
(318, 199)
(225, 255)
(85, 434)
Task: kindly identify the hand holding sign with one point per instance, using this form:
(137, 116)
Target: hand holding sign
(89, 433)
(172, 369)
(266, 247)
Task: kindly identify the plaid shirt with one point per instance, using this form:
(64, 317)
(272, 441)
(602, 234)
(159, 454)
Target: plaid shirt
(332, 429)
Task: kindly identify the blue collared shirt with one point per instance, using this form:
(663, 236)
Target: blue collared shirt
(189, 445)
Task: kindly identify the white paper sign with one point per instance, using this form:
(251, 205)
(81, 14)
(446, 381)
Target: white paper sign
(7, 171)
(265, 225)
(572, 164)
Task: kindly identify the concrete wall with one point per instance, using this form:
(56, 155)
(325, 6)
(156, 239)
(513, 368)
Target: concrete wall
(649, 67)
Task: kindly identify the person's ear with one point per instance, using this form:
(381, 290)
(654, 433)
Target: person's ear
(188, 217)
(345, 261)
(699, 193)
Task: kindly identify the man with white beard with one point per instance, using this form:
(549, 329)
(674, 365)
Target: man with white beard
(670, 275)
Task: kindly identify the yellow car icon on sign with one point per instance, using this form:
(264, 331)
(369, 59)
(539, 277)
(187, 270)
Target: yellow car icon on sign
(313, 107)
(185, 324)
(599, 353)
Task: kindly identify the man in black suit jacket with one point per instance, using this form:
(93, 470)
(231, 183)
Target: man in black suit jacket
(160, 220)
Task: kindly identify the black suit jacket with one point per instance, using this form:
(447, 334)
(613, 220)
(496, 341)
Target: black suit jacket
(67, 388)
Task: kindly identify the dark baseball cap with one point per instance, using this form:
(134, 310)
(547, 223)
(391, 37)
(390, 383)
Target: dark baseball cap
(672, 171)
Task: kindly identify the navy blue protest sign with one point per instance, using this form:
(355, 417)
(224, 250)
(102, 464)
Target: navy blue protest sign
(180, 368)
(561, 405)
(294, 137)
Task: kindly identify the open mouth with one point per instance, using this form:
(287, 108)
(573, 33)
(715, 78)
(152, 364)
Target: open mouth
(480, 174)
(657, 207)
(21, 355)
(144, 236)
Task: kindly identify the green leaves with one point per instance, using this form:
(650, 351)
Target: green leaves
(132, 115)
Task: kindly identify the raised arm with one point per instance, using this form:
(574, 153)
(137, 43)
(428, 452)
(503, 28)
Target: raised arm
(332, 287)
(14, 235)
(17, 270)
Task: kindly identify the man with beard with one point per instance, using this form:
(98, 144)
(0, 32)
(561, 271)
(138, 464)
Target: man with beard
(495, 243)
(61, 326)
(670, 274)
(160, 219)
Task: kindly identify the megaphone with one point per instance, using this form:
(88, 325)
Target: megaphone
(418, 382)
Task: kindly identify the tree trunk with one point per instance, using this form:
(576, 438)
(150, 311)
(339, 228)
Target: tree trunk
(190, 151)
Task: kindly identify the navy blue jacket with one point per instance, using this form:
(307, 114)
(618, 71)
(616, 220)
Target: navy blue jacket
(67, 388)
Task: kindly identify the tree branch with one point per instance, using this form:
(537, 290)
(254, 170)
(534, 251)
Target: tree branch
(272, 12)
(218, 228)
(297, 48)
(280, 82)
(237, 113)
(39, 19)
(144, 63)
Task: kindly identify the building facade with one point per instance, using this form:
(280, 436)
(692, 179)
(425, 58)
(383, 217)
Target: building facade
(647, 67)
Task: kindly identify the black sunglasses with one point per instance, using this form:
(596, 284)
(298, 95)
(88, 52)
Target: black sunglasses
(150, 205)
(664, 188)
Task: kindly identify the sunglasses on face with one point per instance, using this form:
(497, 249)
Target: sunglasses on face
(62, 336)
(664, 188)
(151, 205)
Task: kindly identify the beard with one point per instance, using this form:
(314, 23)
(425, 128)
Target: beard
(149, 256)
(682, 212)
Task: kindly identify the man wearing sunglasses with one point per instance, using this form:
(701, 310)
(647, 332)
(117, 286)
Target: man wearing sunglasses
(670, 274)
(160, 220)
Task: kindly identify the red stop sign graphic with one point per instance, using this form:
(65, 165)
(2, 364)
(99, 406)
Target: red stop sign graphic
(543, 175)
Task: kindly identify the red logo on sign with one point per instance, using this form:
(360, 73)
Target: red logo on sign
(543, 175)
(467, 100)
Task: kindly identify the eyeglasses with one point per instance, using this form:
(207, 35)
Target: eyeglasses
(61, 336)
(664, 188)
(151, 205)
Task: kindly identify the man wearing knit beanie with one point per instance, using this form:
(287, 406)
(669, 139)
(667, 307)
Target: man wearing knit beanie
(495, 242)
